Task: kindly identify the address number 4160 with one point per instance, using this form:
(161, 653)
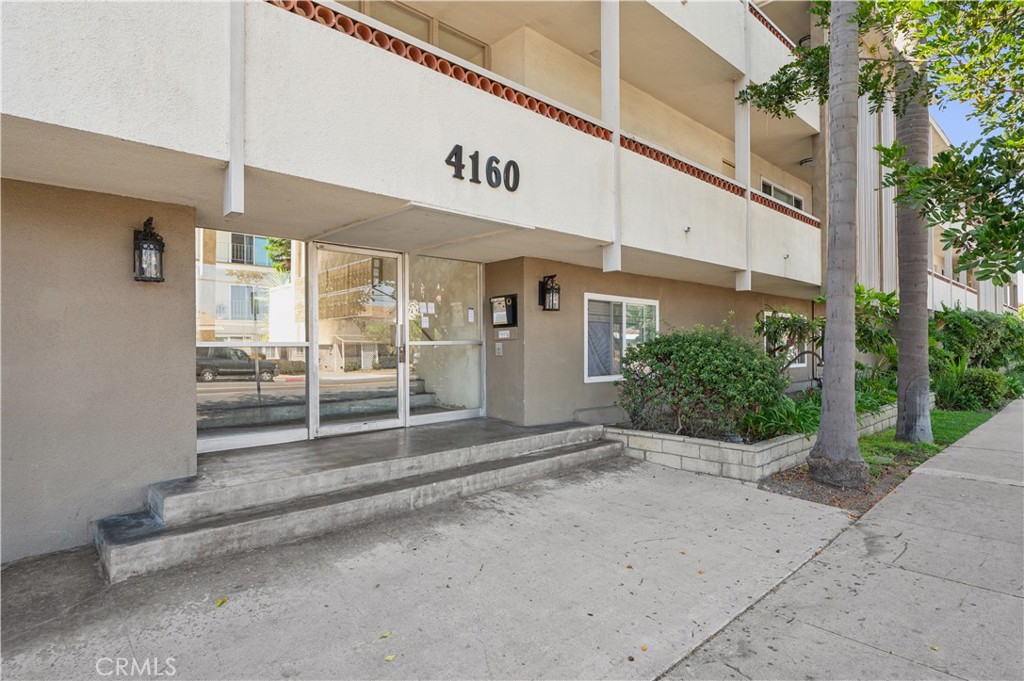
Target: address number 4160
(495, 174)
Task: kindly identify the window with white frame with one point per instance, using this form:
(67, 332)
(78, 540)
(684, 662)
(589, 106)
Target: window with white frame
(611, 325)
(425, 27)
(782, 194)
(795, 352)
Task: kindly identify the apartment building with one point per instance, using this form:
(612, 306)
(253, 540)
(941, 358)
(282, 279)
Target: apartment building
(409, 213)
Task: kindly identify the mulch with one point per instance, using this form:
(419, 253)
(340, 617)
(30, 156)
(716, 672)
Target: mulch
(797, 482)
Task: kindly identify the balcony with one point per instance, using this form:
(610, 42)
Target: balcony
(674, 207)
(377, 113)
(945, 291)
(241, 254)
(785, 242)
(347, 129)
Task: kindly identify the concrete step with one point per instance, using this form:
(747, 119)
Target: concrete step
(234, 481)
(138, 543)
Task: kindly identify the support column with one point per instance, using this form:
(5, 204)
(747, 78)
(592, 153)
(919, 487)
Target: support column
(819, 152)
(744, 278)
(610, 114)
(234, 174)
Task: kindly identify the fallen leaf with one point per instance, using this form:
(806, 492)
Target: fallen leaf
(385, 634)
(629, 567)
(388, 658)
(853, 515)
(644, 648)
(683, 553)
(630, 658)
(700, 572)
(935, 647)
(221, 601)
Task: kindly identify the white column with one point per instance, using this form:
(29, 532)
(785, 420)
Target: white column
(612, 253)
(742, 153)
(888, 216)
(234, 174)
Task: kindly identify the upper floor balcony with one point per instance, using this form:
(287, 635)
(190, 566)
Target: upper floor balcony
(347, 124)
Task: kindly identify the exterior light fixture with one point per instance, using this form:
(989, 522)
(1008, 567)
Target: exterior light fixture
(549, 294)
(149, 253)
(807, 161)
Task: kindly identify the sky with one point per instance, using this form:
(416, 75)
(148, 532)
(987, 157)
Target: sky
(952, 118)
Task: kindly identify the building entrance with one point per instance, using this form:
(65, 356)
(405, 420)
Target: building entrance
(311, 340)
(399, 341)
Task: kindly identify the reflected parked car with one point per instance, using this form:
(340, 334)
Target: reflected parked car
(214, 362)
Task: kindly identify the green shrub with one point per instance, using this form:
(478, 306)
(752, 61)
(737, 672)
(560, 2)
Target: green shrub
(789, 336)
(984, 387)
(291, 366)
(948, 384)
(869, 399)
(938, 356)
(785, 417)
(352, 365)
(1014, 385)
(701, 382)
(990, 340)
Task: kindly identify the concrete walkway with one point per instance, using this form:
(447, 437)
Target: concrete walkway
(562, 578)
(927, 585)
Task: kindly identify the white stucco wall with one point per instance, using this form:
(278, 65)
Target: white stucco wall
(783, 246)
(659, 203)
(713, 23)
(383, 124)
(105, 67)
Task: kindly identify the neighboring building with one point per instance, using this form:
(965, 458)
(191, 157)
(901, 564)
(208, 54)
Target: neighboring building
(430, 163)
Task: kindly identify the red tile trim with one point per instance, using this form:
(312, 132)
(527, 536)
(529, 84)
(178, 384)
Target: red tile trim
(682, 166)
(328, 18)
(768, 202)
(760, 16)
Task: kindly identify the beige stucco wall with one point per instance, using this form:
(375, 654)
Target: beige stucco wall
(98, 387)
(505, 378)
(545, 383)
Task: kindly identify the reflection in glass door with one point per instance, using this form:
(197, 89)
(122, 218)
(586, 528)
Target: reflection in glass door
(359, 340)
(445, 340)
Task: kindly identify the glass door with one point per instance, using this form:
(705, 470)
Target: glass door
(359, 376)
(445, 347)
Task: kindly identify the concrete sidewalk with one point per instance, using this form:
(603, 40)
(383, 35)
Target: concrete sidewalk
(561, 578)
(927, 585)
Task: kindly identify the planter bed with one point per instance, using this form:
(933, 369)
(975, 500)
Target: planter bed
(732, 460)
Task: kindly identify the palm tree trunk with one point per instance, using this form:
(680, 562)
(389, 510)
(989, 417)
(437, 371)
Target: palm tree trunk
(835, 458)
(913, 420)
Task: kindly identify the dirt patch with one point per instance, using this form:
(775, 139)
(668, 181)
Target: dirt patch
(797, 482)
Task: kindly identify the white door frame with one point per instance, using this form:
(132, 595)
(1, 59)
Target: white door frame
(316, 429)
(453, 415)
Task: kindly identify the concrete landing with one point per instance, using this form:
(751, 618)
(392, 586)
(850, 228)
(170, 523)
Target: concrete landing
(926, 585)
(557, 578)
(245, 499)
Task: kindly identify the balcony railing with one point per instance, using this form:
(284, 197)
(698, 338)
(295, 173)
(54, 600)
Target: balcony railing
(441, 62)
(242, 254)
(248, 310)
(770, 25)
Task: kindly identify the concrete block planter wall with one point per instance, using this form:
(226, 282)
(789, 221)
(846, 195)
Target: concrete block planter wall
(729, 460)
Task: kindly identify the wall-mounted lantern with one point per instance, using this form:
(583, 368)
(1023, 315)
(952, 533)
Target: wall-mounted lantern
(149, 253)
(549, 294)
